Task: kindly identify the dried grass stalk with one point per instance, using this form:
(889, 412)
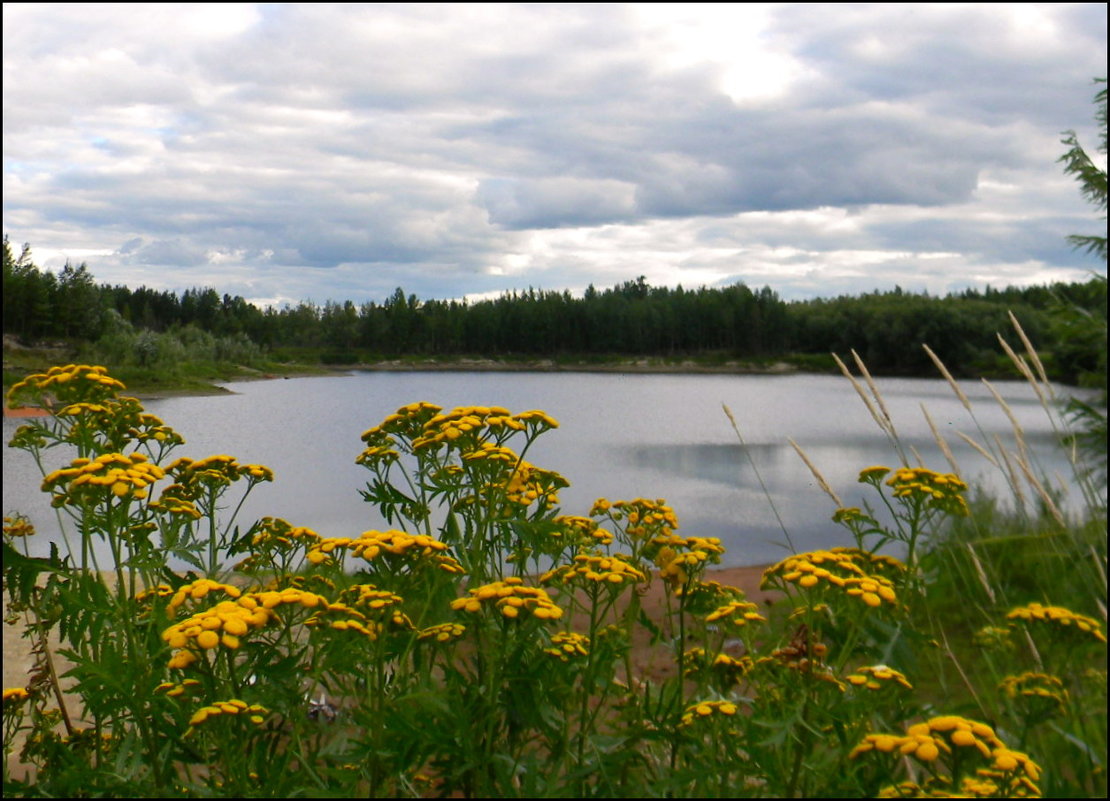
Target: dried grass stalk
(882, 420)
(1102, 574)
(1036, 484)
(917, 455)
(1019, 432)
(817, 474)
(859, 391)
(875, 391)
(1029, 349)
(1023, 367)
(1011, 474)
(940, 441)
(981, 573)
(758, 475)
(982, 451)
(948, 377)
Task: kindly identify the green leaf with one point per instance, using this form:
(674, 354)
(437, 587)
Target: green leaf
(21, 572)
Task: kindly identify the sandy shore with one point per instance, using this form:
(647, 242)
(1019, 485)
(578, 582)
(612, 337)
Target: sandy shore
(25, 411)
(549, 366)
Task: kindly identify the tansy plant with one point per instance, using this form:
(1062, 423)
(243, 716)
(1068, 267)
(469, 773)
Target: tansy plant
(485, 643)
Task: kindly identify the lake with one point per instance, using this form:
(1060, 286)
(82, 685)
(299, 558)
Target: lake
(621, 436)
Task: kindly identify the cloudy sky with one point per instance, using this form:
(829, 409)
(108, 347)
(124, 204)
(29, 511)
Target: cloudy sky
(296, 152)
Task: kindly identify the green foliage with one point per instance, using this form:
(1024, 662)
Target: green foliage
(485, 645)
(631, 320)
(1081, 329)
(1091, 177)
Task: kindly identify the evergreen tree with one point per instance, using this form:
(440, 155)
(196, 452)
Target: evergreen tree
(1091, 178)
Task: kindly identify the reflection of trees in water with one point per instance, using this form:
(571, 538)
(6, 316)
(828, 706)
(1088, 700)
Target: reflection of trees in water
(840, 461)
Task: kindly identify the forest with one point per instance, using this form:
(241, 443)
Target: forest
(1065, 321)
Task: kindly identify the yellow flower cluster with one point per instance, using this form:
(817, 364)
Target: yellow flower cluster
(378, 602)
(585, 567)
(873, 474)
(939, 736)
(269, 599)
(985, 783)
(84, 409)
(348, 620)
(537, 419)
(823, 569)
(197, 590)
(875, 677)
(706, 709)
(1058, 616)
(176, 690)
(488, 452)
(949, 731)
(731, 665)
(646, 517)
(72, 383)
(530, 484)
(677, 556)
(222, 624)
(1047, 692)
(172, 504)
(706, 596)
(737, 614)
(370, 545)
(117, 419)
(215, 471)
(467, 420)
(16, 695)
(255, 713)
(994, 637)
(510, 597)
(408, 421)
(378, 453)
(942, 490)
(873, 563)
(444, 632)
(567, 644)
(807, 658)
(227, 621)
(728, 668)
(849, 514)
(581, 530)
(466, 426)
(157, 591)
(275, 532)
(151, 427)
(511, 479)
(18, 526)
(124, 476)
(87, 740)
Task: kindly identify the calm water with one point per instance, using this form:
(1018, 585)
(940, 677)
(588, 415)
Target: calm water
(620, 436)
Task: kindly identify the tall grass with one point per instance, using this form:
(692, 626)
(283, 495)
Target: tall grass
(1044, 544)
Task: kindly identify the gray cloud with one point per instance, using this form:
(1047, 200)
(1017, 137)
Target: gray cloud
(339, 151)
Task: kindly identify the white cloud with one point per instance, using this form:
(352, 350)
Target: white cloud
(342, 150)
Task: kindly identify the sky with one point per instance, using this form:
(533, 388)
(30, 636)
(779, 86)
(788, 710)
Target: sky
(288, 152)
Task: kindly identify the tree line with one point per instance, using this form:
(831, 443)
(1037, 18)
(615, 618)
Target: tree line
(630, 319)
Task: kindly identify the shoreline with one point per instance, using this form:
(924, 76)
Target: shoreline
(646, 366)
(466, 365)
